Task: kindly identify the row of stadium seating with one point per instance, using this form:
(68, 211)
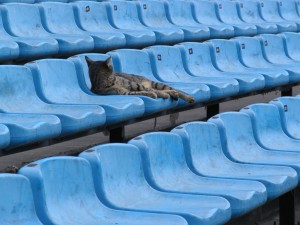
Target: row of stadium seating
(209, 71)
(199, 173)
(60, 29)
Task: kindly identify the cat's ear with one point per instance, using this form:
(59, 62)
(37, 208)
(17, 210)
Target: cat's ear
(108, 62)
(88, 60)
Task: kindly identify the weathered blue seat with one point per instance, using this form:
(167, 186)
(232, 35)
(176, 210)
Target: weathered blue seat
(150, 105)
(292, 44)
(288, 11)
(94, 17)
(64, 193)
(270, 13)
(4, 136)
(268, 129)
(243, 147)
(167, 66)
(167, 170)
(59, 18)
(251, 55)
(124, 15)
(138, 62)
(20, 1)
(56, 82)
(226, 58)
(206, 155)
(228, 13)
(119, 179)
(249, 12)
(205, 13)
(180, 14)
(16, 205)
(19, 96)
(26, 128)
(9, 49)
(289, 113)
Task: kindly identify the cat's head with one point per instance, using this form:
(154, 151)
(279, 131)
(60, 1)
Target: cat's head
(103, 67)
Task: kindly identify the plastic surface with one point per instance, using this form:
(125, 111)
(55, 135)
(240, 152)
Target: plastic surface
(119, 179)
(205, 154)
(288, 11)
(4, 136)
(167, 170)
(167, 65)
(56, 82)
(17, 84)
(26, 128)
(242, 146)
(59, 18)
(292, 46)
(64, 193)
(16, 205)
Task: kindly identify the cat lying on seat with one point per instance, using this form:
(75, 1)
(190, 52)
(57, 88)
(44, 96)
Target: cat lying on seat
(107, 82)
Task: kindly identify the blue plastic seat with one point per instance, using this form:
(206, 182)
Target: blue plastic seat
(137, 62)
(32, 26)
(243, 147)
(59, 18)
(268, 129)
(16, 205)
(19, 96)
(206, 155)
(249, 12)
(4, 136)
(19, 1)
(288, 11)
(167, 66)
(205, 13)
(124, 15)
(150, 105)
(251, 55)
(226, 57)
(180, 14)
(289, 113)
(56, 82)
(9, 49)
(270, 13)
(119, 179)
(228, 13)
(26, 128)
(93, 17)
(292, 44)
(167, 170)
(64, 193)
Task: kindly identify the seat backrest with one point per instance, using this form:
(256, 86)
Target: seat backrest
(92, 16)
(197, 58)
(288, 10)
(19, 1)
(133, 62)
(228, 12)
(180, 13)
(249, 11)
(270, 11)
(292, 44)
(59, 18)
(23, 20)
(16, 205)
(62, 187)
(205, 12)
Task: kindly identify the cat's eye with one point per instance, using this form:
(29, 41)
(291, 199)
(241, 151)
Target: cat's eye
(87, 8)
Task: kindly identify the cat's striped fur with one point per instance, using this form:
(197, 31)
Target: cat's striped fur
(107, 82)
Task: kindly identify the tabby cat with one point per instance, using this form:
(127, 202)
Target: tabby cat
(107, 82)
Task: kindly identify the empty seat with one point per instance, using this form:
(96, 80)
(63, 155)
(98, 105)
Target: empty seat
(8, 49)
(252, 56)
(59, 18)
(166, 168)
(226, 57)
(180, 14)
(26, 128)
(138, 62)
(289, 113)
(119, 179)
(16, 205)
(268, 130)
(19, 96)
(205, 13)
(292, 46)
(56, 81)
(288, 11)
(64, 193)
(228, 13)
(4, 136)
(203, 146)
(249, 12)
(270, 12)
(168, 66)
(243, 147)
(20, 1)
